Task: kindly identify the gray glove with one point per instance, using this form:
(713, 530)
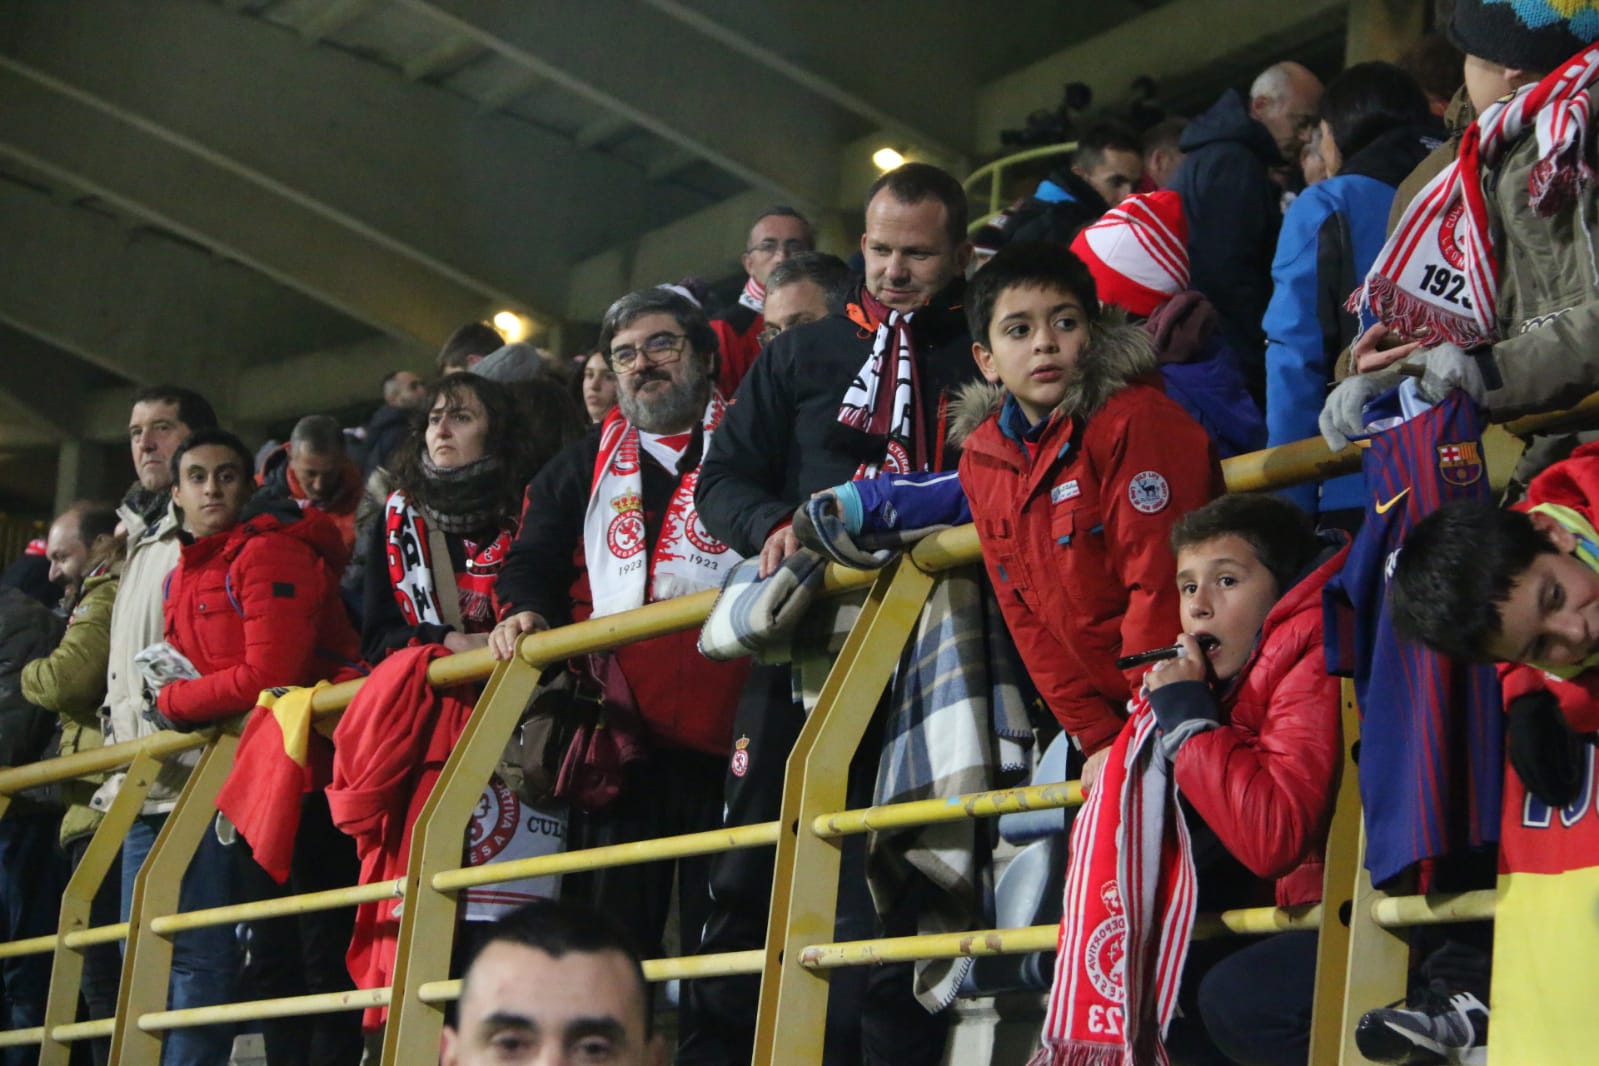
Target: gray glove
(1449, 367)
(1343, 415)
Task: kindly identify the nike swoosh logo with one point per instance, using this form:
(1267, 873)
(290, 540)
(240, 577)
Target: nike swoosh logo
(1384, 508)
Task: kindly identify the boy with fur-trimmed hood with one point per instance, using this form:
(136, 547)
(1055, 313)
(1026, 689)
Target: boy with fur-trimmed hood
(1075, 466)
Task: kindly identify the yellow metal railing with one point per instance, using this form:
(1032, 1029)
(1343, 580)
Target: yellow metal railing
(1361, 964)
(994, 174)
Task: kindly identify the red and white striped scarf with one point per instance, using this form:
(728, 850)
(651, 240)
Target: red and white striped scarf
(1130, 897)
(1437, 278)
(754, 295)
(873, 405)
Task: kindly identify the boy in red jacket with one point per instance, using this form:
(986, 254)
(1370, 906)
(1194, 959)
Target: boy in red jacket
(1249, 718)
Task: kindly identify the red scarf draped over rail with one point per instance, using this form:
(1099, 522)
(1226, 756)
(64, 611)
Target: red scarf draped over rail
(1437, 278)
(1130, 897)
(884, 398)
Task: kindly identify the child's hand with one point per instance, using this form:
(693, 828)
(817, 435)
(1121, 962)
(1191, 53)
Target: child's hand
(1191, 665)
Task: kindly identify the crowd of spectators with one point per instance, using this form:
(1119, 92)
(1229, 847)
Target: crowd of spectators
(1067, 378)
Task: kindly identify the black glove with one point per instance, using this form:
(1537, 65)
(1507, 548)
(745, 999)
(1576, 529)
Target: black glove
(1550, 759)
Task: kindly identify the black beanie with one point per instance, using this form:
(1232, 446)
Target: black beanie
(1531, 35)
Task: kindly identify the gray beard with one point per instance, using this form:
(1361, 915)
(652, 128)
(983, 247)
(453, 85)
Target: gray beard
(676, 411)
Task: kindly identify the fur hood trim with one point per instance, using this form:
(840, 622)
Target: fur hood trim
(1117, 354)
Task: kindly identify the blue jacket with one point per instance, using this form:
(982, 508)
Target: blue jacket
(1330, 236)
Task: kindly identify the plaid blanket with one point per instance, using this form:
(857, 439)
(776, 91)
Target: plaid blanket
(957, 723)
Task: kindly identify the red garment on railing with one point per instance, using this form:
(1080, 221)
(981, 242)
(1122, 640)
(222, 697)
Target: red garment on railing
(388, 751)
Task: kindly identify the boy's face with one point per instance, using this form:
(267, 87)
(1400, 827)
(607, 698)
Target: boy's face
(1036, 339)
(1225, 592)
(1552, 615)
(1487, 81)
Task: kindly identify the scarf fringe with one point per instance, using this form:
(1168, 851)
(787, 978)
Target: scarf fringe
(1075, 1054)
(1411, 317)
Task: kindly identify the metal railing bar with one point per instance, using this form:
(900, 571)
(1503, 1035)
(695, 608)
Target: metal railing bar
(328, 899)
(1441, 908)
(254, 1010)
(954, 809)
(15, 779)
(66, 1034)
(22, 1037)
(688, 966)
(706, 843)
(102, 934)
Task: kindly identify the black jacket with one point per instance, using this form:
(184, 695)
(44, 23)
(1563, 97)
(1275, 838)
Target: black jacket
(28, 630)
(781, 440)
(1035, 219)
(543, 566)
(386, 430)
(1234, 211)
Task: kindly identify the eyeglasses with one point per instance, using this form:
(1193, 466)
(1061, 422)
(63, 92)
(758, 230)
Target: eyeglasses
(771, 246)
(660, 349)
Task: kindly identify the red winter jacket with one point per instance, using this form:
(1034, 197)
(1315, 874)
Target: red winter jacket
(1075, 531)
(255, 607)
(1572, 483)
(1264, 780)
(738, 340)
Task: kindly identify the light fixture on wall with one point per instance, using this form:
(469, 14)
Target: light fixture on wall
(887, 158)
(513, 326)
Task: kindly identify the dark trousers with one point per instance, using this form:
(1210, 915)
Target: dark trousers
(102, 963)
(1256, 1002)
(33, 874)
(872, 1015)
(303, 954)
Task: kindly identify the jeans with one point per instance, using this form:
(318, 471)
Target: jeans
(1256, 1002)
(33, 874)
(205, 962)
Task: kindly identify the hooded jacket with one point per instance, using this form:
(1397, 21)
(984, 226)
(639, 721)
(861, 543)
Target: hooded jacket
(1074, 517)
(28, 630)
(278, 482)
(386, 430)
(1330, 237)
(1263, 777)
(1057, 211)
(1204, 374)
(1233, 212)
(255, 607)
(781, 439)
(70, 682)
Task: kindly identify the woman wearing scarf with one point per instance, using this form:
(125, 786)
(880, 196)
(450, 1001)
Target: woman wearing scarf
(432, 560)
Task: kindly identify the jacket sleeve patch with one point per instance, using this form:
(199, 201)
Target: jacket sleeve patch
(1148, 492)
(283, 590)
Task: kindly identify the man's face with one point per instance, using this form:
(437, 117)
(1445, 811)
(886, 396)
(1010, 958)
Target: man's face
(1224, 591)
(792, 305)
(320, 476)
(907, 249)
(522, 1007)
(772, 240)
(1116, 174)
(663, 392)
(67, 553)
(1036, 340)
(1551, 617)
(211, 489)
(408, 391)
(155, 432)
(1291, 117)
(1161, 166)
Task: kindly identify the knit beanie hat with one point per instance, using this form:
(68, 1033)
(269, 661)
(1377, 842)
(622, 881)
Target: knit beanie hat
(1532, 35)
(1138, 251)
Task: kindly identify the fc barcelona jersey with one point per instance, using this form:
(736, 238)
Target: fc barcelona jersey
(1431, 729)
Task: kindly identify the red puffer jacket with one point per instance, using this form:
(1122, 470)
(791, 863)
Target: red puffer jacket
(255, 607)
(1264, 780)
(1076, 526)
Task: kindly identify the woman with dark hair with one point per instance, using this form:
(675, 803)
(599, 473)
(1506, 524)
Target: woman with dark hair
(1376, 126)
(431, 562)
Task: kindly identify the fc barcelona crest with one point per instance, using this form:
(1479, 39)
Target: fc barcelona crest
(1460, 464)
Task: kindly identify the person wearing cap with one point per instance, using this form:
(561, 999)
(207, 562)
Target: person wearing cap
(1138, 255)
(1526, 342)
(1376, 127)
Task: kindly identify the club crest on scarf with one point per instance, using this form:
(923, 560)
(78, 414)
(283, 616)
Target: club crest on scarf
(493, 822)
(1107, 951)
(625, 534)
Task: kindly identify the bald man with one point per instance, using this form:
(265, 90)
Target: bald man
(1234, 208)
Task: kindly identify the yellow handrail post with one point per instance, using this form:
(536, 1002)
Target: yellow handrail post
(1379, 962)
(147, 966)
(1342, 861)
(66, 971)
(793, 1003)
(427, 924)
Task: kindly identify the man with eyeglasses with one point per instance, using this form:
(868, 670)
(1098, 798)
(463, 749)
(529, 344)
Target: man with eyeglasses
(861, 393)
(777, 233)
(805, 288)
(611, 521)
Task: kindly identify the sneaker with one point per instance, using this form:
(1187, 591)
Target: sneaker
(1438, 1030)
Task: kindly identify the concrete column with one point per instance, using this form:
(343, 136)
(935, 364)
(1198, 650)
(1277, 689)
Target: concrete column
(1383, 29)
(86, 470)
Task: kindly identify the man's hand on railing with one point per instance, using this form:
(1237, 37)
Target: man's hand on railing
(503, 638)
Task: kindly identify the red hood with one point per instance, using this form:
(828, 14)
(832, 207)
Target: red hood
(1570, 484)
